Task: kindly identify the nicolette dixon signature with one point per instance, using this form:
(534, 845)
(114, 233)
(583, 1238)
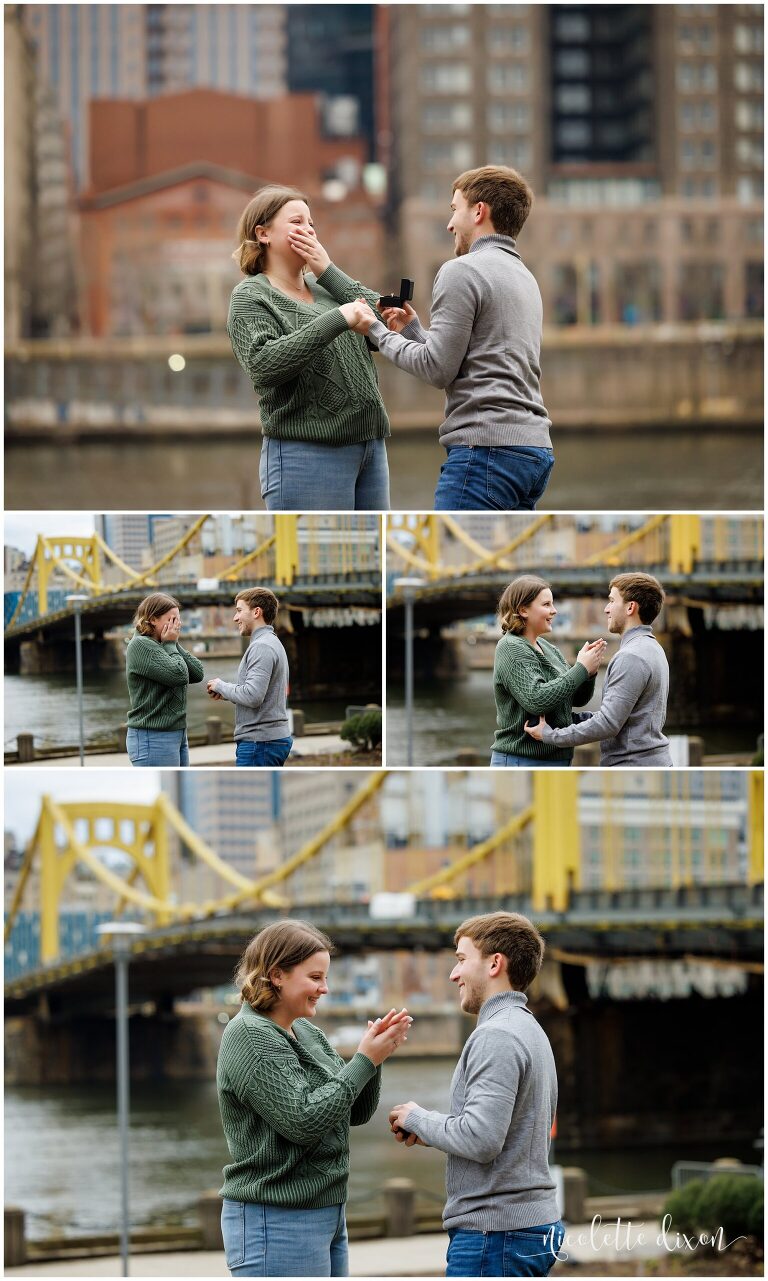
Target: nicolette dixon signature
(625, 1236)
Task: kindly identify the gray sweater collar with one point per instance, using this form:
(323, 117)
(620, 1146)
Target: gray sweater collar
(498, 1002)
(496, 238)
(260, 631)
(642, 629)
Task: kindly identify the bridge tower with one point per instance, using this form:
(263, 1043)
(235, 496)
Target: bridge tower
(139, 830)
(556, 838)
(684, 541)
(52, 553)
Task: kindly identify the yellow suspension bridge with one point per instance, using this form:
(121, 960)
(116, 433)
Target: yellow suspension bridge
(542, 868)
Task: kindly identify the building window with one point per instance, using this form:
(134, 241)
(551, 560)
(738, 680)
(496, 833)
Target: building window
(508, 40)
(748, 39)
(753, 290)
(638, 292)
(447, 155)
(749, 152)
(565, 294)
(749, 189)
(446, 117)
(511, 78)
(700, 292)
(446, 77)
(749, 114)
(572, 62)
(748, 77)
(512, 117)
(571, 26)
(445, 39)
(574, 134)
(573, 98)
(509, 151)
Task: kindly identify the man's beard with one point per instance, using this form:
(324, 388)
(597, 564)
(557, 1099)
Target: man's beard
(473, 997)
(460, 247)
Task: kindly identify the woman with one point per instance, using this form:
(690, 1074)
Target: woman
(159, 671)
(287, 1101)
(532, 679)
(295, 335)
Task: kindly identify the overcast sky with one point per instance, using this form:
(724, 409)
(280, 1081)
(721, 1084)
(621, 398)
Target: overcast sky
(24, 790)
(22, 528)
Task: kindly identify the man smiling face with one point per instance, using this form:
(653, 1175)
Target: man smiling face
(472, 973)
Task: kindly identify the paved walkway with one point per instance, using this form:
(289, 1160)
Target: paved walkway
(218, 754)
(418, 1256)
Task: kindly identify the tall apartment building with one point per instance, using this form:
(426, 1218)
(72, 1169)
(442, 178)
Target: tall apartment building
(134, 51)
(330, 50)
(237, 817)
(240, 48)
(130, 534)
(638, 126)
(87, 51)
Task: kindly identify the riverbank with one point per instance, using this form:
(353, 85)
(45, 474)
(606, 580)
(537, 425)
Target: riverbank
(690, 467)
(313, 749)
(424, 1256)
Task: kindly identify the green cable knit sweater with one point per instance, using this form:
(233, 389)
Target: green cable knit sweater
(535, 681)
(286, 1108)
(158, 676)
(314, 377)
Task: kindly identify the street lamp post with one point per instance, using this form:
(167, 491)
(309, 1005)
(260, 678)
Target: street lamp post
(408, 588)
(120, 934)
(77, 604)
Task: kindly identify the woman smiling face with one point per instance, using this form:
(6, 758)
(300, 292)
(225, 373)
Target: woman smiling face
(293, 216)
(300, 989)
(539, 614)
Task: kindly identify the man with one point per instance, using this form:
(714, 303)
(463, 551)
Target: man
(483, 346)
(501, 1213)
(630, 722)
(260, 691)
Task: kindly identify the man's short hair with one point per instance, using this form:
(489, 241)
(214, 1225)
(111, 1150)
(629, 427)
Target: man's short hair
(646, 590)
(511, 934)
(503, 190)
(261, 598)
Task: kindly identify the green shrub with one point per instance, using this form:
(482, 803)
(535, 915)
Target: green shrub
(733, 1202)
(363, 730)
(682, 1206)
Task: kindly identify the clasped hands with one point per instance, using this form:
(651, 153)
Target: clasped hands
(589, 656)
(358, 314)
(214, 693)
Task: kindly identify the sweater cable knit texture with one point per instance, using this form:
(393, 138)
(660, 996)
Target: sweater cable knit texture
(314, 376)
(158, 675)
(535, 681)
(286, 1108)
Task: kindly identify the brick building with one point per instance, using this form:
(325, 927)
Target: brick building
(169, 179)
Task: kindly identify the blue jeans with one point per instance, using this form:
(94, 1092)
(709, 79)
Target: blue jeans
(503, 478)
(150, 747)
(274, 752)
(300, 475)
(526, 1252)
(268, 1241)
(526, 762)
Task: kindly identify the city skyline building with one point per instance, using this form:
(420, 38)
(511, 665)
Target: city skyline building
(639, 128)
(130, 534)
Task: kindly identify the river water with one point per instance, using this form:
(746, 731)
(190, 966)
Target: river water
(453, 714)
(628, 470)
(61, 1153)
(46, 705)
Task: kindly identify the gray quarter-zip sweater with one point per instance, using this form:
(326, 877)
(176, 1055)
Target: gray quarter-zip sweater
(483, 346)
(260, 691)
(497, 1134)
(629, 724)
